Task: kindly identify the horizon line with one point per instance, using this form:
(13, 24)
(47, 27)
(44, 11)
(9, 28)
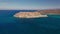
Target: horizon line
(29, 9)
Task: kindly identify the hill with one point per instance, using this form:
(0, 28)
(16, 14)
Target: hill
(50, 11)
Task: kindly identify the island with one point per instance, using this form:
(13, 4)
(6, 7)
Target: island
(38, 13)
(29, 15)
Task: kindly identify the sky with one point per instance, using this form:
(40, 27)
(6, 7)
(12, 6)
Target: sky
(29, 4)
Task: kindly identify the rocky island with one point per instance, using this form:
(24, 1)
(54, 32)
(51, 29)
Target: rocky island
(38, 13)
(29, 15)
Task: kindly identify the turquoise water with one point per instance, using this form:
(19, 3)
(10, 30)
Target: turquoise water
(12, 25)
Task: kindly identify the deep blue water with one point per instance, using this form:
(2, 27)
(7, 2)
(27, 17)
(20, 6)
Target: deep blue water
(12, 25)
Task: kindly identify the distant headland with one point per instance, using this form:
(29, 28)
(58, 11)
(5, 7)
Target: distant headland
(36, 14)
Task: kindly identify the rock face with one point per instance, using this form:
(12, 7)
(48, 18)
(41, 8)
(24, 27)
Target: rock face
(29, 15)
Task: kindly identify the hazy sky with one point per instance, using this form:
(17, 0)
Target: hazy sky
(29, 4)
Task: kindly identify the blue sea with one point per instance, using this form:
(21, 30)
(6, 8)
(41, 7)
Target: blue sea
(13, 25)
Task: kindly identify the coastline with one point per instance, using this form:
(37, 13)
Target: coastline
(53, 14)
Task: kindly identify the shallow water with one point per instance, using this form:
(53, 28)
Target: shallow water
(12, 25)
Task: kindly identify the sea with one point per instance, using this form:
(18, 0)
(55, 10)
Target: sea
(12, 25)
